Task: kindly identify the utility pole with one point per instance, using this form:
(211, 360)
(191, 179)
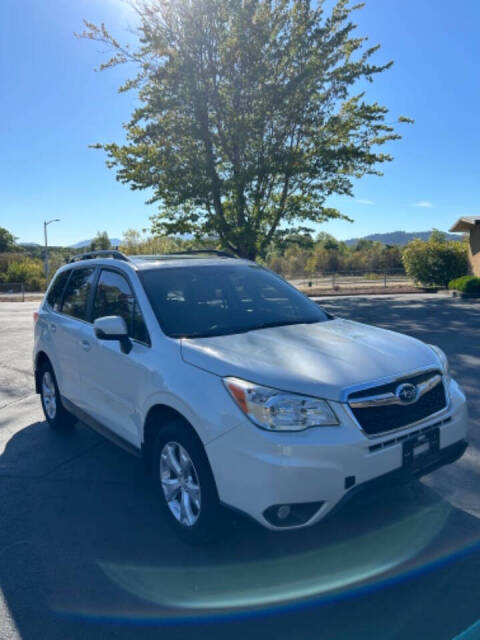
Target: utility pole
(45, 225)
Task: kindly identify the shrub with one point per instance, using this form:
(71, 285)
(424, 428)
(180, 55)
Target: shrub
(466, 284)
(8, 258)
(28, 271)
(435, 263)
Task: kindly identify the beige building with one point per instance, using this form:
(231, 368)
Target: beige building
(471, 225)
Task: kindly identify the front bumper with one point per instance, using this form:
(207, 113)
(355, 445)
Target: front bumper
(445, 456)
(255, 469)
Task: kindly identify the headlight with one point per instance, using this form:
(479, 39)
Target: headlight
(443, 361)
(277, 410)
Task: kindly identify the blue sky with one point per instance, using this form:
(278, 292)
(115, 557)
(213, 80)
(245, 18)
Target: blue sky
(54, 105)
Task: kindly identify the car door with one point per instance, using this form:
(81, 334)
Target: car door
(67, 325)
(111, 379)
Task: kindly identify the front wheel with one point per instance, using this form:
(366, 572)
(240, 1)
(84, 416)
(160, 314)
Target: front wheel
(188, 494)
(56, 415)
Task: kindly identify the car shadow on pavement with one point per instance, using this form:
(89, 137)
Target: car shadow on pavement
(85, 553)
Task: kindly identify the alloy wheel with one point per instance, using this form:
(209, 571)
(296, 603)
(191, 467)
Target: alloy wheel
(180, 485)
(49, 395)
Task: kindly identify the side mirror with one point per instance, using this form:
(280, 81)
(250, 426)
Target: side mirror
(113, 328)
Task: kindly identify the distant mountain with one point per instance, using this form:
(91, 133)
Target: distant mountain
(399, 238)
(115, 242)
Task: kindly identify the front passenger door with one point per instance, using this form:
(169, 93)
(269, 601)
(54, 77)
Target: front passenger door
(112, 379)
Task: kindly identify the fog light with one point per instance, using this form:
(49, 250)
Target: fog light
(283, 512)
(291, 515)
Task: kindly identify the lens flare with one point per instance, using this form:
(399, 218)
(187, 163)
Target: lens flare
(269, 582)
(368, 545)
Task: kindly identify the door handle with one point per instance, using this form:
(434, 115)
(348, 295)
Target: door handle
(52, 326)
(86, 346)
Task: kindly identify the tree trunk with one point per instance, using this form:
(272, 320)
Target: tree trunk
(247, 250)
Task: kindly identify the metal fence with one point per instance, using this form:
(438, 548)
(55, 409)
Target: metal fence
(12, 291)
(351, 280)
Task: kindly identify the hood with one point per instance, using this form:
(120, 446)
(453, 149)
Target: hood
(320, 359)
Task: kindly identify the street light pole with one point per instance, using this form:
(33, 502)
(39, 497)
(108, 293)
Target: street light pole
(45, 225)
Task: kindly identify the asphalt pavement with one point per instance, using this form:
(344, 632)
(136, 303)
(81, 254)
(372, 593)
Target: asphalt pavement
(85, 553)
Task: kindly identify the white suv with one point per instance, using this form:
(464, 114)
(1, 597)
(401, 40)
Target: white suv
(237, 389)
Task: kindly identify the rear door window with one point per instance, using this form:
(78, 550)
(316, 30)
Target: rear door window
(75, 299)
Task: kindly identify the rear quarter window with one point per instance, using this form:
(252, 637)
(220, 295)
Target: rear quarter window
(55, 293)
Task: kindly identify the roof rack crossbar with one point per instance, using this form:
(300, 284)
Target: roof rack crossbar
(105, 253)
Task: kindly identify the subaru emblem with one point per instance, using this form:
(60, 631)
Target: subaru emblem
(406, 393)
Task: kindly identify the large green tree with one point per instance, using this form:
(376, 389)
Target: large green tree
(248, 117)
(7, 241)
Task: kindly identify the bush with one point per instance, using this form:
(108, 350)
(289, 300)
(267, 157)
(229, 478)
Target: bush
(466, 284)
(28, 271)
(435, 263)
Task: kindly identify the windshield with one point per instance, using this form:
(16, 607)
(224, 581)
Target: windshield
(206, 301)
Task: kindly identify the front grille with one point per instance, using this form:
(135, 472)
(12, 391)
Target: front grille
(384, 418)
(391, 386)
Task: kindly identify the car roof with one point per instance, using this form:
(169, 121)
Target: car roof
(162, 262)
(151, 262)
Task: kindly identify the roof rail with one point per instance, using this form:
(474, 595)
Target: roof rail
(105, 253)
(193, 252)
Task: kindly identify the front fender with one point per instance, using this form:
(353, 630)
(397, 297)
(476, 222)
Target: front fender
(201, 398)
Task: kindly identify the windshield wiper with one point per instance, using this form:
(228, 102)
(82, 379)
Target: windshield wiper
(282, 323)
(230, 332)
(206, 334)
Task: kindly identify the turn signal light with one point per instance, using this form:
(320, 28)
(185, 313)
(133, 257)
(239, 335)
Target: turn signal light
(35, 316)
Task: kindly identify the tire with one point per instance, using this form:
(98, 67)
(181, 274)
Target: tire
(181, 471)
(55, 414)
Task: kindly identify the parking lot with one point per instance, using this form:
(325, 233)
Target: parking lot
(84, 552)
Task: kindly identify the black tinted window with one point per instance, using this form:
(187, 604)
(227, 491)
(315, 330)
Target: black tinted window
(76, 295)
(208, 301)
(54, 297)
(114, 297)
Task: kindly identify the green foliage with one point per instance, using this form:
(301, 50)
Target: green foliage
(7, 241)
(28, 271)
(248, 118)
(285, 239)
(28, 266)
(19, 267)
(465, 284)
(289, 254)
(59, 255)
(57, 259)
(364, 244)
(326, 254)
(435, 263)
(7, 258)
(101, 241)
(438, 236)
(133, 242)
